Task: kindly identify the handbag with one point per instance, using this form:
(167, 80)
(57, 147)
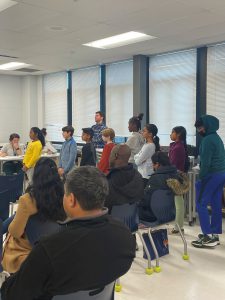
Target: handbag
(160, 238)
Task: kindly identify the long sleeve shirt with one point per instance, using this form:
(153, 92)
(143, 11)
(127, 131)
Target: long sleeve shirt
(103, 165)
(97, 138)
(135, 143)
(32, 154)
(88, 156)
(63, 263)
(143, 160)
(68, 155)
(177, 155)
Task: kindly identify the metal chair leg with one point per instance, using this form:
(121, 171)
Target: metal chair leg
(149, 270)
(157, 268)
(185, 255)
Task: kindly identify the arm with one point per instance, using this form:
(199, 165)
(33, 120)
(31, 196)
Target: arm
(207, 151)
(177, 158)
(34, 157)
(31, 280)
(142, 156)
(72, 157)
(3, 151)
(85, 155)
(50, 147)
(25, 209)
(103, 165)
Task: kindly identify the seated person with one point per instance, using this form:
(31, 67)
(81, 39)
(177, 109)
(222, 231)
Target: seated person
(108, 136)
(158, 180)
(125, 182)
(92, 251)
(48, 148)
(88, 155)
(13, 148)
(43, 197)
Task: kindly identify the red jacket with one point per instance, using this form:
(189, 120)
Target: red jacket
(103, 165)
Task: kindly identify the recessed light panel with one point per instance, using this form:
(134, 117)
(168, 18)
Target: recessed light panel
(120, 40)
(13, 66)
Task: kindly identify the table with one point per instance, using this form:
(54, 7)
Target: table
(20, 158)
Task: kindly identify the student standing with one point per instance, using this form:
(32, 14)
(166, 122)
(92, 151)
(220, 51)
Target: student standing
(209, 188)
(98, 128)
(179, 158)
(68, 151)
(136, 140)
(48, 148)
(143, 158)
(88, 156)
(33, 152)
(108, 136)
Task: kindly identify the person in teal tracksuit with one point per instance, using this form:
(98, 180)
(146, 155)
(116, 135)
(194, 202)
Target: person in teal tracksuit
(209, 188)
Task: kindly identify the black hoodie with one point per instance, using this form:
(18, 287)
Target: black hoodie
(125, 186)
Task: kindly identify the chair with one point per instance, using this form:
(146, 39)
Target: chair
(105, 293)
(163, 207)
(35, 228)
(128, 215)
(11, 188)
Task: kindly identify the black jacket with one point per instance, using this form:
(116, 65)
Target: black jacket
(88, 156)
(88, 254)
(156, 181)
(125, 186)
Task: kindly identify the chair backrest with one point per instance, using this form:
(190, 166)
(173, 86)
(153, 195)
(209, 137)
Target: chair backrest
(127, 214)
(11, 188)
(106, 293)
(36, 228)
(163, 206)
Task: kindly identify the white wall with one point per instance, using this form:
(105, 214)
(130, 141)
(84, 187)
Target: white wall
(20, 105)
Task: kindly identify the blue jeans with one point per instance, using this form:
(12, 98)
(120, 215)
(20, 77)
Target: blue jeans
(209, 190)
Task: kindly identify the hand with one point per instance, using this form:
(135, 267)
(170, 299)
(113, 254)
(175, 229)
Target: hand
(15, 145)
(60, 171)
(24, 168)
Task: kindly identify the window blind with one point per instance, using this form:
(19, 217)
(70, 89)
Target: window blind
(172, 93)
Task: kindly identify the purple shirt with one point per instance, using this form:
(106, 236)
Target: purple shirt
(177, 155)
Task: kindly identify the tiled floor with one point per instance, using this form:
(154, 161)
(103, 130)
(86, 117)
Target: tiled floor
(200, 278)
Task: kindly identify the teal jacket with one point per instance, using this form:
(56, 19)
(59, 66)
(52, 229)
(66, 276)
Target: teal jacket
(212, 154)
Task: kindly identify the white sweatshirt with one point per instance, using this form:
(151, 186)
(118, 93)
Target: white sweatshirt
(143, 160)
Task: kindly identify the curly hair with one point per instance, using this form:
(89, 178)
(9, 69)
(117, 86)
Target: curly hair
(47, 190)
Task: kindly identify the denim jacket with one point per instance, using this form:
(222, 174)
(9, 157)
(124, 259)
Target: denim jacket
(68, 155)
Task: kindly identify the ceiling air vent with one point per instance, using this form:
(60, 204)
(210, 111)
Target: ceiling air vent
(27, 70)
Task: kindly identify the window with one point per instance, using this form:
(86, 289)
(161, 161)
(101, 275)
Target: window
(119, 96)
(86, 97)
(55, 105)
(172, 93)
(216, 85)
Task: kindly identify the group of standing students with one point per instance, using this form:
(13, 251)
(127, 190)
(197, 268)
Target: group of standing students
(144, 144)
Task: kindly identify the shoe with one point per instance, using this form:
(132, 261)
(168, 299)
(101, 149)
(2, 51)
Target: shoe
(204, 242)
(215, 237)
(176, 231)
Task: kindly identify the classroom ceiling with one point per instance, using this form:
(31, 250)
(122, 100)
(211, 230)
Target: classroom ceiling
(48, 34)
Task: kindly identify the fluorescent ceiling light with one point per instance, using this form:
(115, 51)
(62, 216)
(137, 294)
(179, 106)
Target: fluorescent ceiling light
(120, 40)
(4, 4)
(13, 66)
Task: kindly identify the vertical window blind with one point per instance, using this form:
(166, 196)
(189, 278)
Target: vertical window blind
(172, 93)
(119, 96)
(86, 97)
(216, 85)
(55, 105)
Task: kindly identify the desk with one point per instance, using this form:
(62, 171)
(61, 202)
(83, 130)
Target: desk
(20, 158)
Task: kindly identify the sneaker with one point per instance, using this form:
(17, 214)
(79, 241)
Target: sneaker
(215, 237)
(176, 231)
(204, 242)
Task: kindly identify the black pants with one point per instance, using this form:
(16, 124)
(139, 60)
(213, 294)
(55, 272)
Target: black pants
(12, 167)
